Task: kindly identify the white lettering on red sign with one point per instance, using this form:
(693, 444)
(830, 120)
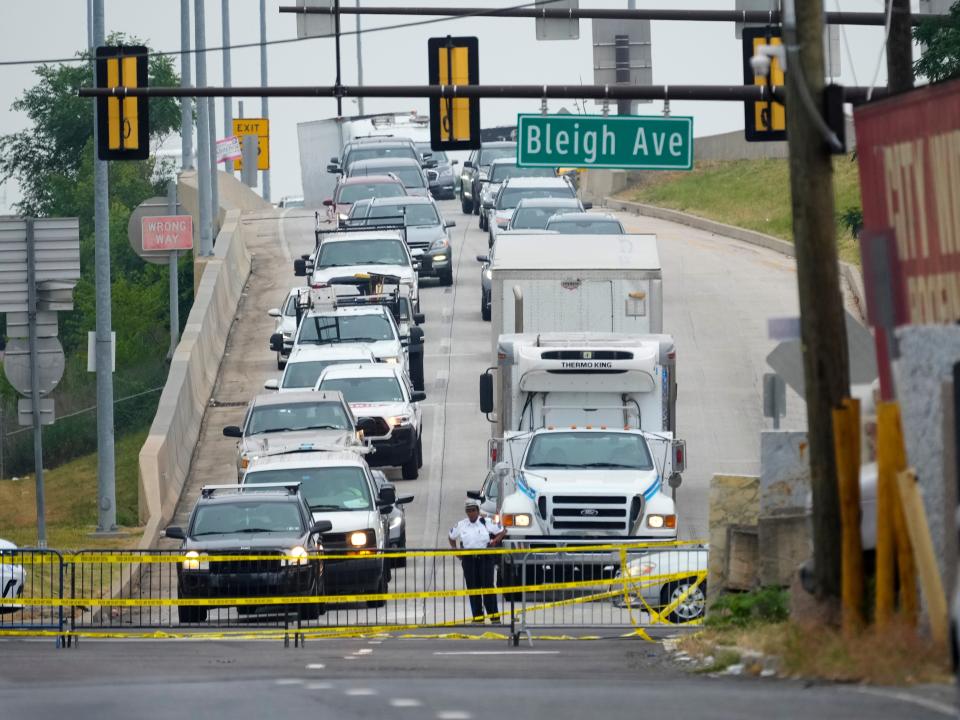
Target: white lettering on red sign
(167, 233)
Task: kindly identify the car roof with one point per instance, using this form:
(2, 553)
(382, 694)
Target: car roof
(498, 144)
(503, 161)
(350, 310)
(388, 162)
(358, 179)
(312, 353)
(537, 182)
(264, 495)
(336, 458)
(379, 140)
(369, 370)
(368, 235)
(582, 217)
(548, 202)
(403, 200)
(300, 396)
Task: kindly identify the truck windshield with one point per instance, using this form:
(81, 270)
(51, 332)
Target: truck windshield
(510, 197)
(245, 516)
(489, 154)
(502, 171)
(366, 389)
(323, 329)
(324, 488)
(304, 374)
(614, 450)
(298, 416)
(386, 251)
(536, 218)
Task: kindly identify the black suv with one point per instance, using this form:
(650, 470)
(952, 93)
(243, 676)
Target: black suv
(268, 521)
(476, 169)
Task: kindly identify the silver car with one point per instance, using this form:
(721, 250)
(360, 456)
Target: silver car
(409, 171)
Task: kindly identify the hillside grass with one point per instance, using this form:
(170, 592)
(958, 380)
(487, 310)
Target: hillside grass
(70, 492)
(752, 194)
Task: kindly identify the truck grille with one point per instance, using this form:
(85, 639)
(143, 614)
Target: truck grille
(269, 564)
(589, 513)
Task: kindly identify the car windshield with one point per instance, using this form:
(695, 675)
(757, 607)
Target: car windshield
(535, 218)
(305, 374)
(352, 192)
(586, 227)
(374, 151)
(297, 416)
(413, 214)
(323, 329)
(510, 197)
(500, 172)
(293, 203)
(365, 389)
(382, 251)
(488, 155)
(439, 155)
(324, 488)
(410, 177)
(247, 517)
(589, 450)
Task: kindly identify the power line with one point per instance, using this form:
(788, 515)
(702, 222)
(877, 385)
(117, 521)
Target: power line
(283, 41)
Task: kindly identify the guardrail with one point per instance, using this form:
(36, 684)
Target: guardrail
(157, 593)
(29, 573)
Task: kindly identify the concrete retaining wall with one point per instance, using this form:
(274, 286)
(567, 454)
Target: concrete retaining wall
(165, 456)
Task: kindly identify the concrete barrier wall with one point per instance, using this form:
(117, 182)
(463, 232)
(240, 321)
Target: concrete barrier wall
(166, 455)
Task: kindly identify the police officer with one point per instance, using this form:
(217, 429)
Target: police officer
(476, 532)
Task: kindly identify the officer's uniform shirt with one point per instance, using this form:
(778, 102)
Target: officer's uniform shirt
(474, 535)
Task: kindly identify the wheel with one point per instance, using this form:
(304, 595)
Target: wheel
(380, 589)
(446, 277)
(476, 205)
(311, 611)
(420, 450)
(191, 613)
(510, 577)
(410, 470)
(692, 607)
(465, 205)
(484, 307)
(401, 545)
(281, 363)
(483, 221)
(416, 370)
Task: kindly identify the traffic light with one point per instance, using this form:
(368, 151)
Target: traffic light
(123, 124)
(454, 122)
(764, 120)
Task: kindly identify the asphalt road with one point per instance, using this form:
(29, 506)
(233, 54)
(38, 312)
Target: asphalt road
(423, 678)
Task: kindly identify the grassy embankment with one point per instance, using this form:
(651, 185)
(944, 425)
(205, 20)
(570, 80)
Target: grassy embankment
(70, 491)
(752, 194)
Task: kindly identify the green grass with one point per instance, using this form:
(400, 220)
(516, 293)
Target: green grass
(70, 492)
(752, 194)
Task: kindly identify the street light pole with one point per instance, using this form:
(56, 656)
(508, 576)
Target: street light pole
(186, 104)
(264, 102)
(227, 102)
(203, 136)
(360, 61)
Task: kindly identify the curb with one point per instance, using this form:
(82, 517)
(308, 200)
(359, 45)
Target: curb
(848, 272)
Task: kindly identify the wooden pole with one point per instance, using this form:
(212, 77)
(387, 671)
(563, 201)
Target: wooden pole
(888, 427)
(906, 568)
(900, 48)
(846, 438)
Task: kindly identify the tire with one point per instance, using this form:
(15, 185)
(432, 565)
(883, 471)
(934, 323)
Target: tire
(466, 205)
(483, 224)
(476, 205)
(416, 370)
(281, 363)
(485, 310)
(509, 577)
(690, 609)
(381, 588)
(409, 469)
(191, 614)
(311, 611)
(420, 450)
(401, 545)
(446, 278)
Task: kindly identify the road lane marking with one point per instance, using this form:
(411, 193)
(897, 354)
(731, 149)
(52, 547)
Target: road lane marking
(497, 652)
(283, 235)
(405, 702)
(903, 697)
(360, 692)
(316, 666)
(319, 686)
(289, 681)
(454, 715)
(363, 651)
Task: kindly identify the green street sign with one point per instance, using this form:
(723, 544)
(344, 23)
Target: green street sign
(630, 142)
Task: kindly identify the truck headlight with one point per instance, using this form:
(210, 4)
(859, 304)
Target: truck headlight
(661, 521)
(517, 520)
(193, 561)
(397, 420)
(296, 556)
(391, 360)
(358, 539)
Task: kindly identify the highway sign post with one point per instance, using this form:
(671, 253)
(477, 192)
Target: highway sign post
(598, 141)
(454, 122)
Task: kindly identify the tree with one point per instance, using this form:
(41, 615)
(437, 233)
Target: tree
(941, 58)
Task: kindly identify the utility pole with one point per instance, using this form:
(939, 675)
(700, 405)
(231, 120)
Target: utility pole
(900, 48)
(186, 103)
(227, 102)
(203, 136)
(822, 328)
(360, 60)
(624, 107)
(264, 101)
(106, 470)
(214, 178)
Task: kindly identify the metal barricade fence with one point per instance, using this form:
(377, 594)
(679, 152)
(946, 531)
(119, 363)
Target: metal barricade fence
(364, 591)
(31, 573)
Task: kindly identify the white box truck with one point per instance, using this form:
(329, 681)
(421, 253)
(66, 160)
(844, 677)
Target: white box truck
(576, 283)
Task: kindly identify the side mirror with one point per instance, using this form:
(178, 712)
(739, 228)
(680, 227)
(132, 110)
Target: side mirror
(232, 431)
(450, 223)
(272, 384)
(418, 396)
(387, 495)
(467, 164)
(488, 206)
(175, 533)
(416, 335)
(276, 342)
(367, 425)
(454, 162)
(300, 267)
(335, 160)
(321, 526)
(419, 318)
(273, 312)
(334, 169)
(588, 206)
(474, 495)
(328, 202)
(679, 449)
(486, 393)
(404, 499)
(483, 258)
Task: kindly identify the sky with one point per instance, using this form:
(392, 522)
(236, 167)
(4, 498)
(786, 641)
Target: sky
(683, 54)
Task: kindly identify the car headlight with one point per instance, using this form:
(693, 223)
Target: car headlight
(517, 520)
(398, 420)
(296, 556)
(358, 539)
(439, 244)
(640, 568)
(661, 521)
(439, 258)
(396, 522)
(343, 216)
(488, 274)
(391, 360)
(193, 561)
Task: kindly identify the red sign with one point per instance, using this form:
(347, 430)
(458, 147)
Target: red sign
(908, 148)
(164, 233)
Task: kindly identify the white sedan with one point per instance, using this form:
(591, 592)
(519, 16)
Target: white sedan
(12, 577)
(665, 576)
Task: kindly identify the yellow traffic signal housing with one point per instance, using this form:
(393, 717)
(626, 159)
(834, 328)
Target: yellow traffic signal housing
(767, 119)
(454, 122)
(123, 124)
